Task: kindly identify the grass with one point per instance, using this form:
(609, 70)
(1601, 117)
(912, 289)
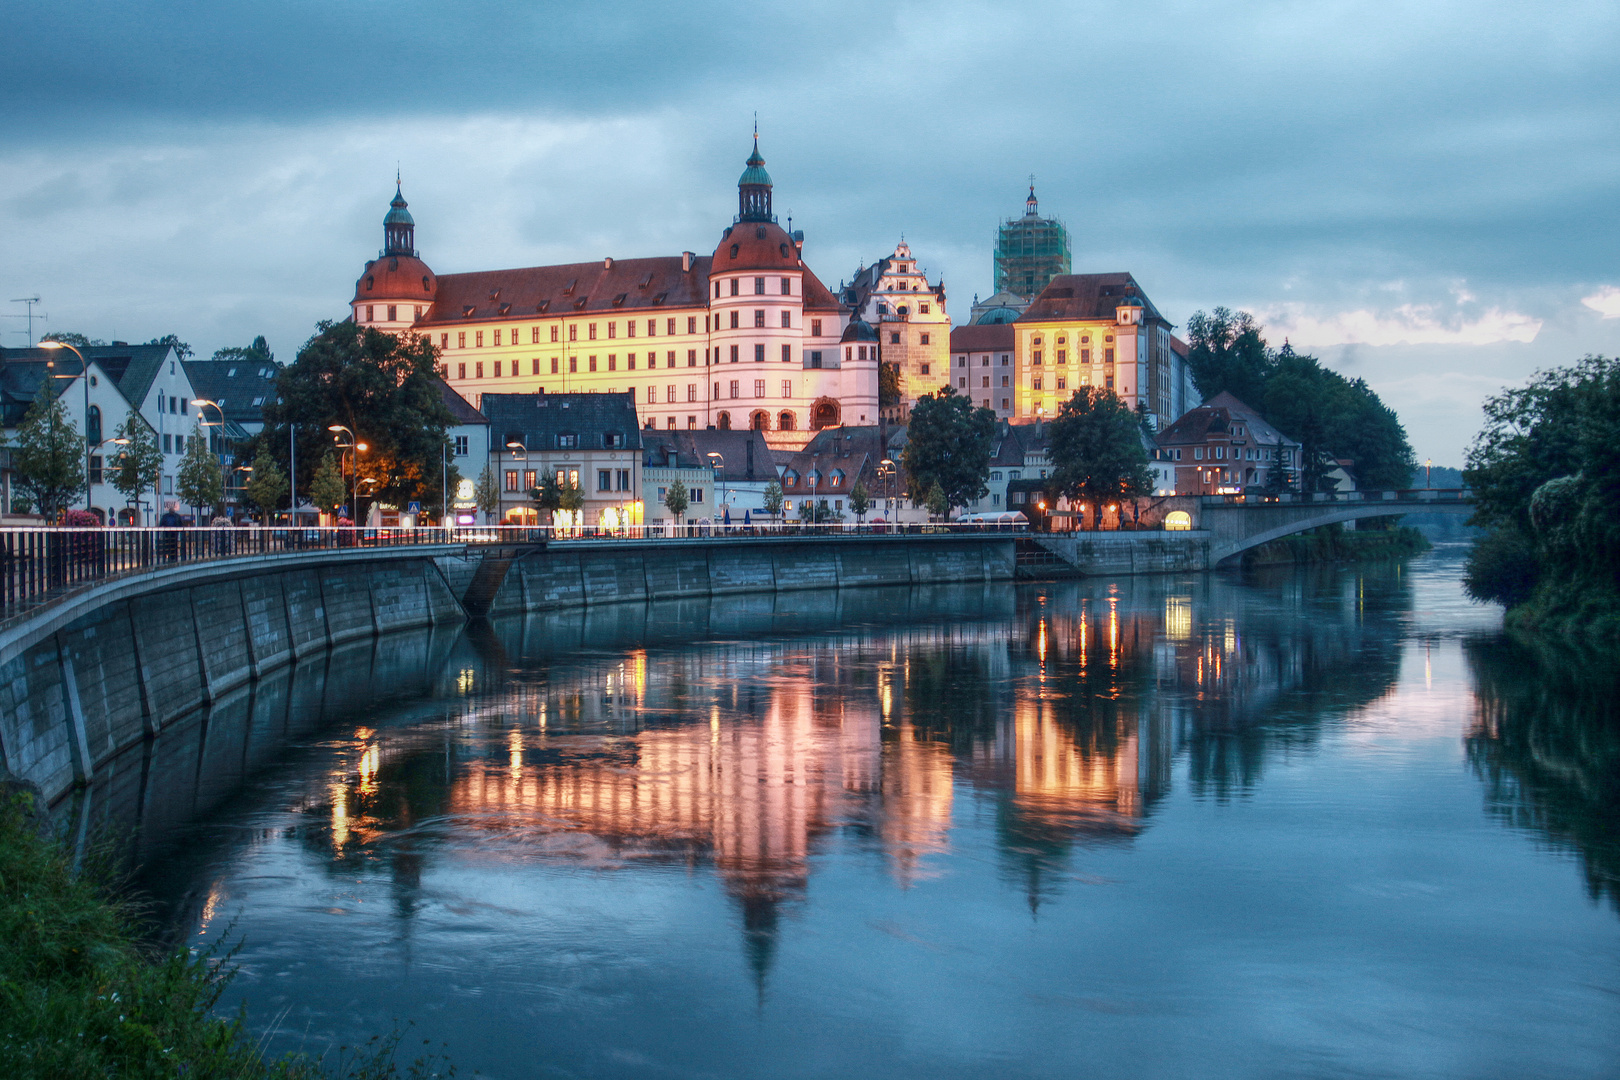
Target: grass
(81, 995)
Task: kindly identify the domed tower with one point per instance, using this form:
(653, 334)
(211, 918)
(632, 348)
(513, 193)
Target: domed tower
(397, 288)
(754, 189)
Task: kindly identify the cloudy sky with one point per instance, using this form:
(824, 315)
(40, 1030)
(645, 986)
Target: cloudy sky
(1423, 194)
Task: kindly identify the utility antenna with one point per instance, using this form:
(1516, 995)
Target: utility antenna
(30, 301)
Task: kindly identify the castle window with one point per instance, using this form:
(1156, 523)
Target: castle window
(393, 313)
(497, 369)
(534, 366)
(734, 248)
(573, 365)
(630, 361)
(787, 286)
(613, 330)
(461, 371)
(573, 332)
(691, 324)
(1063, 382)
(894, 338)
(815, 327)
(554, 335)
(923, 309)
(534, 335)
(497, 337)
(613, 361)
(478, 339)
(925, 339)
(759, 388)
(691, 358)
(691, 391)
(1036, 358)
(734, 354)
(787, 320)
(1063, 356)
(787, 354)
(924, 369)
(461, 339)
(444, 341)
(759, 317)
(759, 286)
(478, 370)
(554, 365)
(592, 363)
(591, 332)
(736, 283)
(734, 322)
(369, 314)
(734, 385)
(652, 328)
(759, 353)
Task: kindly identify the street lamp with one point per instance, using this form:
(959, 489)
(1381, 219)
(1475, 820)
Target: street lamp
(224, 477)
(886, 473)
(354, 471)
(717, 463)
(518, 451)
(84, 371)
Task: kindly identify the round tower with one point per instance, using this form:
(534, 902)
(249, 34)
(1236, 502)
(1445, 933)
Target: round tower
(397, 288)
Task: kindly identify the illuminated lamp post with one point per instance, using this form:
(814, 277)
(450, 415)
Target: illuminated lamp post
(84, 372)
(224, 477)
(355, 447)
(520, 452)
(717, 463)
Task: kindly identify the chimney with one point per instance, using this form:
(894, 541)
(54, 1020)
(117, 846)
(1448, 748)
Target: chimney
(686, 262)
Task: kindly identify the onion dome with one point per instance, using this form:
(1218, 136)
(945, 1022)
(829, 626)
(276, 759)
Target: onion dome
(754, 189)
(755, 172)
(399, 230)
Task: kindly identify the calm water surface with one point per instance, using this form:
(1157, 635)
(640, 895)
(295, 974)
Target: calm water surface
(1323, 823)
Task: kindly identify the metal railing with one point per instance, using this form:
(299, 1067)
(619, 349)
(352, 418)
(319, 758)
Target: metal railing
(1445, 495)
(40, 564)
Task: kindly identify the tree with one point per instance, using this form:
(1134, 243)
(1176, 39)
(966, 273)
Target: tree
(140, 462)
(259, 351)
(773, 498)
(382, 387)
(938, 503)
(1332, 416)
(675, 501)
(326, 489)
(1096, 450)
(47, 459)
(547, 496)
(181, 349)
(68, 337)
(888, 385)
(1226, 352)
(198, 482)
(860, 500)
(949, 443)
(570, 496)
(487, 495)
(268, 484)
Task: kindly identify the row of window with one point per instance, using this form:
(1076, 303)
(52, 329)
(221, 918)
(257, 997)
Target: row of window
(734, 387)
(759, 286)
(693, 495)
(1063, 339)
(902, 309)
(499, 336)
(513, 368)
(984, 361)
(392, 312)
(524, 480)
(1218, 453)
(814, 478)
(1036, 360)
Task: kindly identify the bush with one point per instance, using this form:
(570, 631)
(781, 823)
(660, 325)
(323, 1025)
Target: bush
(1502, 567)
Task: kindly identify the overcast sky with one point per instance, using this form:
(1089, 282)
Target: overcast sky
(1423, 194)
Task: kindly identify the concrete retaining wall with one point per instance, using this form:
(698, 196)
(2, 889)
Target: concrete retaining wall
(99, 672)
(586, 575)
(1098, 553)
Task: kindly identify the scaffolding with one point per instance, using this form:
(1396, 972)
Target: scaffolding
(1030, 252)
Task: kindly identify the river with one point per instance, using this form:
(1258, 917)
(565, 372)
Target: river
(1314, 823)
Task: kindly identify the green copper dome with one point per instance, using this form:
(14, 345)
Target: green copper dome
(755, 173)
(397, 214)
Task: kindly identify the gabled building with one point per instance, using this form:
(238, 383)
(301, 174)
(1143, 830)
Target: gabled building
(731, 468)
(591, 440)
(149, 380)
(908, 317)
(982, 366)
(1226, 447)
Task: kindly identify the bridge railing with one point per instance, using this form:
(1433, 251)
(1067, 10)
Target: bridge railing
(39, 564)
(1394, 495)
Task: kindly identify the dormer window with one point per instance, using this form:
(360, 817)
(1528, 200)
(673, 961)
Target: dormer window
(569, 441)
(467, 311)
(370, 281)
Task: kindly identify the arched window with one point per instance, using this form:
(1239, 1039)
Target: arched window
(723, 422)
(1177, 521)
(786, 422)
(92, 426)
(824, 414)
(760, 421)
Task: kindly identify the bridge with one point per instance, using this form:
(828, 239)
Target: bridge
(1193, 533)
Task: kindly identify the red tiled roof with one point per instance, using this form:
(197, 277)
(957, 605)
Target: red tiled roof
(1086, 296)
(595, 288)
(395, 277)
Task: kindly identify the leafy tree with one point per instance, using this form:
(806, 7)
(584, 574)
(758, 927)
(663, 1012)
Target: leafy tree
(327, 491)
(949, 443)
(68, 337)
(939, 505)
(1227, 352)
(180, 348)
(570, 496)
(888, 385)
(1328, 413)
(47, 458)
(380, 386)
(198, 482)
(140, 462)
(487, 495)
(860, 500)
(268, 484)
(1096, 451)
(547, 496)
(1545, 471)
(675, 500)
(259, 351)
(773, 498)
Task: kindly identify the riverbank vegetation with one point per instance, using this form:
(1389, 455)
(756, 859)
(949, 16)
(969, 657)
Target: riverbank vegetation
(81, 995)
(1335, 543)
(1545, 470)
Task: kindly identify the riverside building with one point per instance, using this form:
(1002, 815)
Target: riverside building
(745, 337)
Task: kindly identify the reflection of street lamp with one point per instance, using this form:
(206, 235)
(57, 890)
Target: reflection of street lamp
(201, 404)
(84, 371)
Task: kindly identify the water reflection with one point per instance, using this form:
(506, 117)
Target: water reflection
(1546, 744)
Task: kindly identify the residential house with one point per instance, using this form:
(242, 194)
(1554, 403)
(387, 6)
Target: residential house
(1226, 447)
(590, 440)
(982, 366)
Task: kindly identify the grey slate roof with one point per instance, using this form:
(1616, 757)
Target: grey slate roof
(691, 449)
(131, 367)
(540, 420)
(241, 387)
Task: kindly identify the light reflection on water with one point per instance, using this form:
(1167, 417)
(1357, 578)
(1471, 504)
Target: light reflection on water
(1164, 827)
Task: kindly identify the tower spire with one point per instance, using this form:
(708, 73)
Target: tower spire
(399, 230)
(754, 187)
